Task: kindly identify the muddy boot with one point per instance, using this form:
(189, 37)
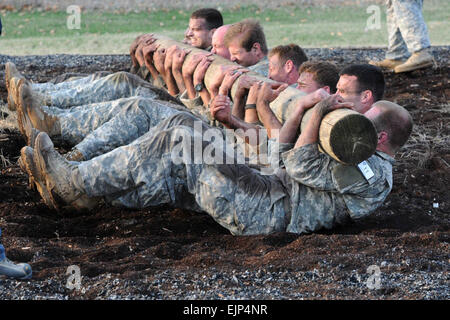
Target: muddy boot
(418, 60)
(60, 177)
(386, 63)
(30, 104)
(35, 178)
(74, 155)
(10, 73)
(15, 87)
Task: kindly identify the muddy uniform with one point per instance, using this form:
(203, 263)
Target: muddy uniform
(312, 192)
(98, 128)
(407, 30)
(94, 90)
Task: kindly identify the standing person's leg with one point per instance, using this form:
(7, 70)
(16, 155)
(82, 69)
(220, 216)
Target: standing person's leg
(397, 51)
(412, 24)
(397, 48)
(414, 31)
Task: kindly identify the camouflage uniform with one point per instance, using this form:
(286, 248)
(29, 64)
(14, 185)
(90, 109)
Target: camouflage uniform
(407, 30)
(91, 90)
(98, 128)
(262, 67)
(71, 82)
(307, 195)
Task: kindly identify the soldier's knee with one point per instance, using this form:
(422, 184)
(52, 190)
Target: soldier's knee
(121, 76)
(183, 119)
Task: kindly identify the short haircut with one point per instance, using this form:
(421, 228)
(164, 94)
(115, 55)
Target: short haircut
(395, 120)
(289, 52)
(324, 73)
(248, 32)
(212, 17)
(369, 78)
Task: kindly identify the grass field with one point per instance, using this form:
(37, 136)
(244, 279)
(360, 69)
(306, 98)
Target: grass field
(46, 32)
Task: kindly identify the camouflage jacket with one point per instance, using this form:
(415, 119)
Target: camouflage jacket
(324, 192)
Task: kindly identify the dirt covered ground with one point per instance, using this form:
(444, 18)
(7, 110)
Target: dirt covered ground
(400, 252)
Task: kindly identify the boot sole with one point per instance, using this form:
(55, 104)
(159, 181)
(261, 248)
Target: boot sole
(28, 161)
(42, 168)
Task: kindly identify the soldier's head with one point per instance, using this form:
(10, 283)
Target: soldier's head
(284, 63)
(362, 84)
(246, 42)
(218, 43)
(393, 124)
(202, 25)
(318, 74)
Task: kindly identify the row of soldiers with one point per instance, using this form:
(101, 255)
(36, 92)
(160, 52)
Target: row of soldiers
(137, 135)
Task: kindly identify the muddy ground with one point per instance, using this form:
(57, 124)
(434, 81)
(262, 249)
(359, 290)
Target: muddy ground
(162, 253)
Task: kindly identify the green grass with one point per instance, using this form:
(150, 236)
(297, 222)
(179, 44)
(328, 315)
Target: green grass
(46, 32)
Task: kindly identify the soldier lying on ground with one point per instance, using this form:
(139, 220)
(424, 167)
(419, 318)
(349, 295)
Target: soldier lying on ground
(311, 192)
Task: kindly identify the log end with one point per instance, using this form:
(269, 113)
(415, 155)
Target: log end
(352, 139)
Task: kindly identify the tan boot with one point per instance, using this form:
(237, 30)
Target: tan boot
(26, 162)
(58, 177)
(418, 60)
(10, 73)
(15, 88)
(386, 63)
(30, 105)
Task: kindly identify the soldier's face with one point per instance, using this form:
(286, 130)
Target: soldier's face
(306, 82)
(277, 71)
(218, 45)
(348, 89)
(197, 33)
(241, 56)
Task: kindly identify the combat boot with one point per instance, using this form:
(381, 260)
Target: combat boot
(60, 176)
(418, 60)
(10, 73)
(386, 63)
(30, 105)
(15, 86)
(27, 164)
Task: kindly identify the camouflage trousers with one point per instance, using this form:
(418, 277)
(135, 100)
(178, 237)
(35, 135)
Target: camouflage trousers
(407, 31)
(93, 89)
(98, 128)
(161, 167)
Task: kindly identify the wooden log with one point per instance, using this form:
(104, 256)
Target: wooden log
(345, 135)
